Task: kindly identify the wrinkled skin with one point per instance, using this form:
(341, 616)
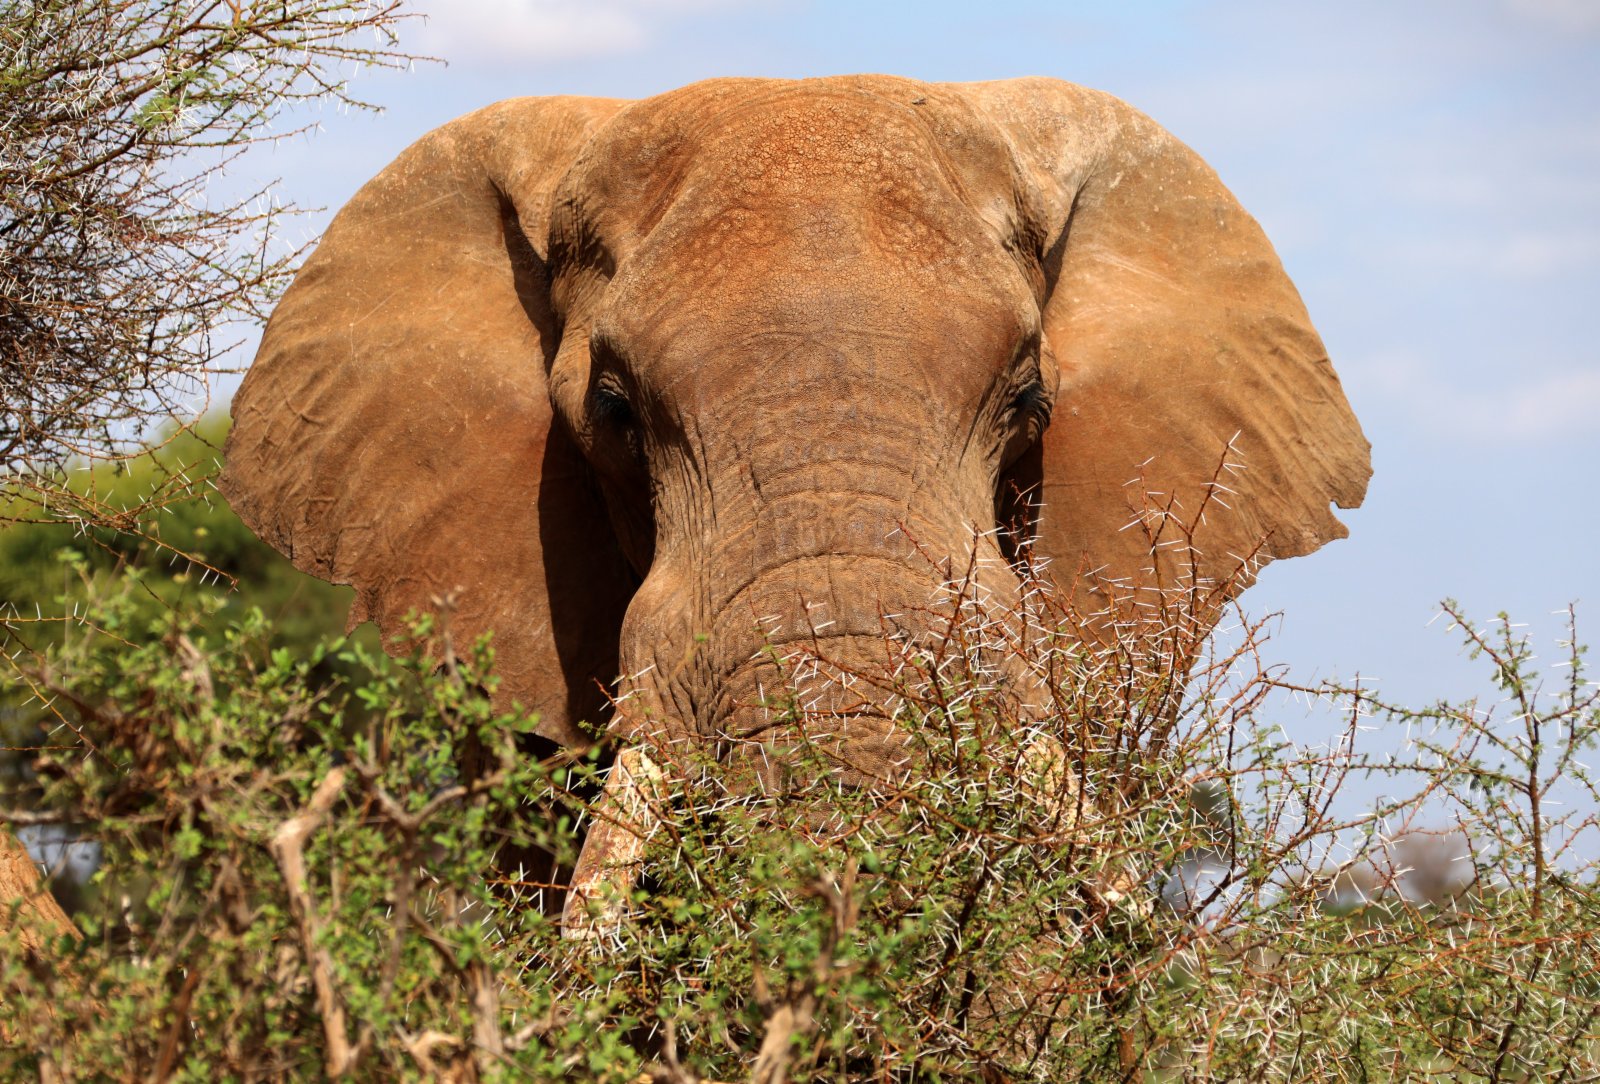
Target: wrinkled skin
(820, 351)
(646, 386)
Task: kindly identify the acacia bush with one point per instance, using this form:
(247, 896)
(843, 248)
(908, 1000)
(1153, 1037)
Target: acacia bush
(1154, 897)
(294, 886)
(181, 544)
(1139, 879)
(129, 271)
(124, 270)
(181, 548)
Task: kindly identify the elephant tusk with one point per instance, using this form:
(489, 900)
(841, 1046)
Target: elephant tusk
(624, 818)
(1045, 769)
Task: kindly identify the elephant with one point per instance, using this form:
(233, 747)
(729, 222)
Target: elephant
(649, 388)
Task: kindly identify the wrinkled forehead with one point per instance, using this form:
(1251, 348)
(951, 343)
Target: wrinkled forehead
(773, 136)
(807, 208)
(794, 139)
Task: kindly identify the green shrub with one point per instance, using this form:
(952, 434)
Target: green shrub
(273, 861)
(306, 878)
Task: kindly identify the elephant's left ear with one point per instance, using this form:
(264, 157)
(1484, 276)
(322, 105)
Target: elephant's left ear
(1196, 401)
(395, 433)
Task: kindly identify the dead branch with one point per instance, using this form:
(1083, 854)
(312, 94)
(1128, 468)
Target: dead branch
(792, 1015)
(288, 848)
(42, 917)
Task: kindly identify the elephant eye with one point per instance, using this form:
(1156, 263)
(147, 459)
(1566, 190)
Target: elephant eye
(610, 406)
(1029, 399)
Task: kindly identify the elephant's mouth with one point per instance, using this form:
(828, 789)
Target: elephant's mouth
(841, 713)
(637, 803)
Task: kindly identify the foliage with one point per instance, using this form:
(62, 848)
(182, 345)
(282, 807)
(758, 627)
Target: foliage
(185, 552)
(1131, 885)
(1129, 880)
(121, 263)
(182, 548)
(182, 545)
(128, 270)
(298, 888)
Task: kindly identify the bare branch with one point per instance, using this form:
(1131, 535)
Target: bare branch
(124, 282)
(288, 847)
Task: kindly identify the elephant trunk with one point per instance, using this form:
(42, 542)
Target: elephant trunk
(813, 703)
(810, 666)
(800, 666)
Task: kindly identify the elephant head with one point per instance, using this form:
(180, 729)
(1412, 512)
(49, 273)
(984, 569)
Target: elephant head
(647, 386)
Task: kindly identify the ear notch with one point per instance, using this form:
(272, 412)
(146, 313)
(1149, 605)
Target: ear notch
(1199, 428)
(394, 432)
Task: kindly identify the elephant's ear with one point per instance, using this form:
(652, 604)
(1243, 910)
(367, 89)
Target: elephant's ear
(394, 432)
(1195, 396)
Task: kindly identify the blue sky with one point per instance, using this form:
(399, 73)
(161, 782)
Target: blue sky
(1430, 173)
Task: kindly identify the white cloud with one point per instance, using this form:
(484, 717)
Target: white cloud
(494, 30)
(1529, 255)
(1577, 15)
(1559, 405)
(500, 31)
(686, 7)
(1523, 254)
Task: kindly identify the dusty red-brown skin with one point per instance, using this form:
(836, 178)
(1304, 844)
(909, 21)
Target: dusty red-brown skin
(647, 385)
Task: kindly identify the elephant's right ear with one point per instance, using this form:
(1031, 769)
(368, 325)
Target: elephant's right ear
(394, 432)
(1199, 429)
